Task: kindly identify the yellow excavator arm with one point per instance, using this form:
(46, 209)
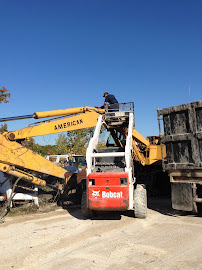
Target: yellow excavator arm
(84, 117)
(153, 151)
(17, 160)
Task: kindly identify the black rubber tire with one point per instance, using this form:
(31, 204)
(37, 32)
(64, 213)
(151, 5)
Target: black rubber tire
(87, 213)
(140, 202)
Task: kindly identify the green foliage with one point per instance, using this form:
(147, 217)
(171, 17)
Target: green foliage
(61, 145)
(42, 150)
(75, 142)
(4, 95)
(3, 128)
(3, 98)
(78, 140)
(45, 150)
(101, 144)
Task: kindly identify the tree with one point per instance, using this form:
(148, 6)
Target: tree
(101, 144)
(61, 144)
(42, 150)
(29, 143)
(4, 95)
(3, 128)
(3, 98)
(77, 140)
(48, 150)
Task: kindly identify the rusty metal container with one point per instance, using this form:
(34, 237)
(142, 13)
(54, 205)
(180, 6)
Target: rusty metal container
(182, 136)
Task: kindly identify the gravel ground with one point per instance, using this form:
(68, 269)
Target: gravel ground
(62, 239)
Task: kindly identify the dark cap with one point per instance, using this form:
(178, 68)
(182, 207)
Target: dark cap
(105, 94)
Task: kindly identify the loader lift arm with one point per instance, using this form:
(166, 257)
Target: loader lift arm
(145, 151)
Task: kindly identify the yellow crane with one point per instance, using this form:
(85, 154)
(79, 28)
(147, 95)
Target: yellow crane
(17, 160)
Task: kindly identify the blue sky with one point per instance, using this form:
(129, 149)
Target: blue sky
(64, 54)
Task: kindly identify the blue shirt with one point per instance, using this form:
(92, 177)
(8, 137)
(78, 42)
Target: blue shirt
(111, 99)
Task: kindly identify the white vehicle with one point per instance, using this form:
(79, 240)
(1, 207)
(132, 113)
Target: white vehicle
(58, 159)
(65, 159)
(6, 191)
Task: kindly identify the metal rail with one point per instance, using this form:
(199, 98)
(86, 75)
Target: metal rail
(16, 118)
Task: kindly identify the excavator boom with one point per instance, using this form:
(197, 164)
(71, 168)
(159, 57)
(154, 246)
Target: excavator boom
(15, 159)
(68, 123)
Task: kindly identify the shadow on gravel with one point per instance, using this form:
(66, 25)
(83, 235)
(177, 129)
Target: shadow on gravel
(161, 205)
(164, 206)
(75, 211)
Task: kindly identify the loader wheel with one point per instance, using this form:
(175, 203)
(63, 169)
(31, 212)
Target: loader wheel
(140, 202)
(87, 213)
